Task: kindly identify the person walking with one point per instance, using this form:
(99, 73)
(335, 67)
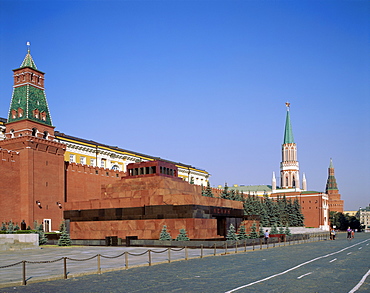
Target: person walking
(332, 234)
(349, 233)
(267, 235)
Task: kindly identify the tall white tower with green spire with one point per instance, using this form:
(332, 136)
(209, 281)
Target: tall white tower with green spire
(289, 166)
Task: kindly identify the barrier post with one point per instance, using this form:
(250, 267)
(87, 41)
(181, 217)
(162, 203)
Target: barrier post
(245, 245)
(253, 244)
(214, 251)
(150, 257)
(65, 267)
(226, 247)
(23, 272)
(186, 253)
(169, 254)
(261, 243)
(201, 251)
(99, 269)
(126, 260)
(236, 246)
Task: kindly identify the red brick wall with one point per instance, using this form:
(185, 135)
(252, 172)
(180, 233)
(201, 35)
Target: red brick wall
(84, 182)
(41, 178)
(9, 186)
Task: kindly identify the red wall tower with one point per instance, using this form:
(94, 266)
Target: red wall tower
(39, 193)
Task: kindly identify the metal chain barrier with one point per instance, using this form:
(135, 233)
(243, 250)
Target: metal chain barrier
(76, 259)
(8, 266)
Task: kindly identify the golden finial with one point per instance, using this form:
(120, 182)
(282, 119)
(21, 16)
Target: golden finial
(287, 104)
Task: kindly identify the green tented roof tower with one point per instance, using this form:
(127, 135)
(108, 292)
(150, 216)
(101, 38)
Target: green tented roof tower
(29, 112)
(331, 183)
(29, 99)
(289, 166)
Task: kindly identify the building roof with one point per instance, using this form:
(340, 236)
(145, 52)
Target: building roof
(68, 138)
(288, 133)
(252, 188)
(28, 61)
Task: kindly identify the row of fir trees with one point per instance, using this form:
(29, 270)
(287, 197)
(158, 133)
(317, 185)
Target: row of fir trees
(280, 213)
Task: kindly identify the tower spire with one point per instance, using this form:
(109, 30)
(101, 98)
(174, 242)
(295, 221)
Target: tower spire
(289, 166)
(288, 133)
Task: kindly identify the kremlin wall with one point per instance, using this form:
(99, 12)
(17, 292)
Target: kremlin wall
(100, 190)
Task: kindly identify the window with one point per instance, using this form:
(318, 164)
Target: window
(115, 167)
(72, 158)
(92, 162)
(102, 163)
(83, 160)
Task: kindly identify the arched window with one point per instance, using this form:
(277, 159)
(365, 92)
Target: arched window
(34, 131)
(46, 134)
(115, 167)
(293, 181)
(286, 181)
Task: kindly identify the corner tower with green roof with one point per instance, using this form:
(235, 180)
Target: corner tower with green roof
(289, 166)
(335, 203)
(29, 112)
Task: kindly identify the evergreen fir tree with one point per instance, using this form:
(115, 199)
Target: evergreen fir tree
(209, 192)
(264, 215)
(42, 237)
(297, 211)
(261, 234)
(242, 234)
(248, 206)
(231, 235)
(225, 192)
(253, 234)
(64, 239)
(241, 196)
(165, 235)
(28, 227)
(182, 236)
(10, 229)
(281, 230)
(232, 194)
(16, 228)
(287, 231)
(274, 230)
(203, 190)
(3, 227)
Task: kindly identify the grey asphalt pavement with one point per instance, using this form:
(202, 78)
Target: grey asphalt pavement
(325, 266)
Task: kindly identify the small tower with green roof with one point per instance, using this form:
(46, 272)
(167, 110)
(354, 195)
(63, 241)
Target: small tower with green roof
(335, 203)
(29, 112)
(289, 166)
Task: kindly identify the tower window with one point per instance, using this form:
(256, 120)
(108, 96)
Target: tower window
(36, 113)
(46, 134)
(34, 131)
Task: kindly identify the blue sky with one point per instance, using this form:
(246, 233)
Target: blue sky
(205, 82)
